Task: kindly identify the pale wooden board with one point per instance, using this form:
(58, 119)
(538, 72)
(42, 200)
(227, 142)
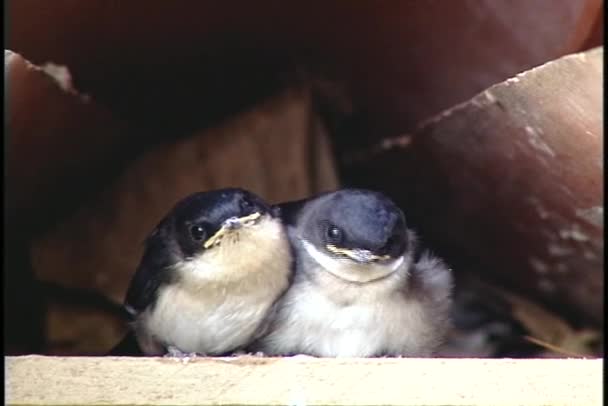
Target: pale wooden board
(39, 380)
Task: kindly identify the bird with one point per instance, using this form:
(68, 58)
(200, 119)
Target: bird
(210, 273)
(361, 287)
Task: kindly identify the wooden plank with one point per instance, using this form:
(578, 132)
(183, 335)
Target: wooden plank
(41, 380)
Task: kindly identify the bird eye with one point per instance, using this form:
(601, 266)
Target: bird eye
(198, 232)
(334, 234)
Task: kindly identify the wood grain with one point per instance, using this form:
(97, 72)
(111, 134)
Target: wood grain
(38, 380)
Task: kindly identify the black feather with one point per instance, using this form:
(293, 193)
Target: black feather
(288, 211)
(151, 273)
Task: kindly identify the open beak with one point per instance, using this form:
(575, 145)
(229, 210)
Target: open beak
(359, 255)
(231, 224)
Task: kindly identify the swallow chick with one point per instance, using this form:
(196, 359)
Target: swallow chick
(210, 273)
(358, 290)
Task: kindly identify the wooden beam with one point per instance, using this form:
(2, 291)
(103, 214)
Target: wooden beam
(41, 380)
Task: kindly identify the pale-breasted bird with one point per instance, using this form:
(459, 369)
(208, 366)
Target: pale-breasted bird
(210, 273)
(359, 290)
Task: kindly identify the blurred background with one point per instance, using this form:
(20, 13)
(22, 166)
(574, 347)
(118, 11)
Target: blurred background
(483, 119)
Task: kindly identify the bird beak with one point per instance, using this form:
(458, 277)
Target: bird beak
(363, 256)
(231, 224)
(238, 222)
(359, 255)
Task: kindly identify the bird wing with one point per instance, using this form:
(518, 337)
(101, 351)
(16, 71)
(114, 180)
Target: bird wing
(142, 290)
(150, 274)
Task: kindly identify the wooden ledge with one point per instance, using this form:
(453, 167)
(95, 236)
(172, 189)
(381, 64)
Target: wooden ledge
(41, 380)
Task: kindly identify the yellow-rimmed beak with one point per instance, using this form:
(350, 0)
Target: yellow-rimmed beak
(233, 223)
(359, 255)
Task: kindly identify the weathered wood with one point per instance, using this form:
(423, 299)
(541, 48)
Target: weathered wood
(510, 183)
(38, 380)
(59, 142)
(405, 60)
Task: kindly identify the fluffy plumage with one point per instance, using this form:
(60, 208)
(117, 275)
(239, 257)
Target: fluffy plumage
(189, 298)
(348, 305)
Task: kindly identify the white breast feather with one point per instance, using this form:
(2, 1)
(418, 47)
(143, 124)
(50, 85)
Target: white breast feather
(379, 318)
(221, 299)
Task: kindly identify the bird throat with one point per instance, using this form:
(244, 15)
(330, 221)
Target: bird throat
(350, 270)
